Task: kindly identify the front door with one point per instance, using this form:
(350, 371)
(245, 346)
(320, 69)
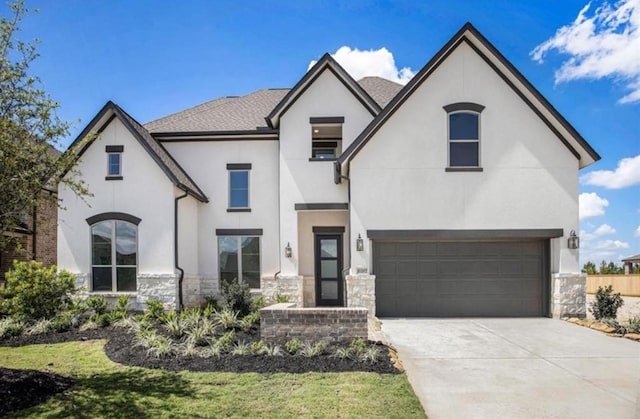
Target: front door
(328, 261)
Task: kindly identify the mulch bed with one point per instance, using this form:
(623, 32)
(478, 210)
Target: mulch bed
(21, 389)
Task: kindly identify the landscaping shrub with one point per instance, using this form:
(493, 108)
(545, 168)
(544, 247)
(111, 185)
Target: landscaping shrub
(293, 346)
(237, 297)
(249, 320)
(281, 298)
(62, 323)
(227, 318)
(97, 303)
(634, 325)
(155, 309)
(606, 304)
(10, 327)
(34, 292)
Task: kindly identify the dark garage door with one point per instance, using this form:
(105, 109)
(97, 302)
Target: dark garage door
(460, 278)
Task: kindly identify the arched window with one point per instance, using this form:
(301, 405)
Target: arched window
(464, 134)
(114, 256)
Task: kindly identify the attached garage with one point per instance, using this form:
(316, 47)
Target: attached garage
(493, 277)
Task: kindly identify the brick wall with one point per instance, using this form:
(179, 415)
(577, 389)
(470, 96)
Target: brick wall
(282, 322)
(46, 237)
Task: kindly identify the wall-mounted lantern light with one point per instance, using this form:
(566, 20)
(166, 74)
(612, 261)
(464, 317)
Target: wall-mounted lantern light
(359, 244)
(287, 250)
(573, 242)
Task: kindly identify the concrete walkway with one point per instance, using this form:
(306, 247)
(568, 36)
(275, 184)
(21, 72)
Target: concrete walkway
(517, 368)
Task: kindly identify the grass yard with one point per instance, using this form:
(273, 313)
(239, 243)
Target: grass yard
(107, 389)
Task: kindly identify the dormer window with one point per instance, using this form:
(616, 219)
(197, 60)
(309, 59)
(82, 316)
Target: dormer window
(114, 162)
(464, 136)
(326, 138)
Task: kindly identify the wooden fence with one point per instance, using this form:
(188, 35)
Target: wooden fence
(624, 284)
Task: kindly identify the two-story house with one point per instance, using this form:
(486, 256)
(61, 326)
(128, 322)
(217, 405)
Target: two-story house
(454, 195)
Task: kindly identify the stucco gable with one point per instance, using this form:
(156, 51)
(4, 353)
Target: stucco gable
(156, 151)
(469, 35)
(326, 63)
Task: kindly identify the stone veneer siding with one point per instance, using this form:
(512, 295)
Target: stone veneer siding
(568, 295)
(290, 286)
(361, 292)
(163, 287)
(282, 322)
(195, 290)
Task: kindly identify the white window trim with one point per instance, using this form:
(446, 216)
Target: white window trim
(248, 188)
(478, 140)
(114, 266)
(239, 243)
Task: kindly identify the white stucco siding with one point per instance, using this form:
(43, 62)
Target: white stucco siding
(529, 178)
(188, 233)
(206, 162)
(304, 181)
(145, 192)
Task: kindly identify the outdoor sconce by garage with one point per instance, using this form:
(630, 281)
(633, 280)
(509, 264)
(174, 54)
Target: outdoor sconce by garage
(573, 242)
(359, 244)
(287, 250)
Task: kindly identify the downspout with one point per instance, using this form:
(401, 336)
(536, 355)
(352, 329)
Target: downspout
(338, 176)
(275, 276)
(175, 249)
(33, 233)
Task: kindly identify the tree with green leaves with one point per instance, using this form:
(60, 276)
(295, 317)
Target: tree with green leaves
(589, 268)
(30, 131)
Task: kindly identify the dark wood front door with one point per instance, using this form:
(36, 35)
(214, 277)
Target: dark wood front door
(328, 261)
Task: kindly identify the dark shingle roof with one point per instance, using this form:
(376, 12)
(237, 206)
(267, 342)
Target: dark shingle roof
(244, 113)
(381, 90)
(248, 112)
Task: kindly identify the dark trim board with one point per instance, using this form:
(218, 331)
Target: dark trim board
(238, 166)
(238, 232)
(328, 230)
(326, 120)
(113, 178)
(520, 234)
(463, 106)
(463, 169)
(238, 209)
(113, 216)
(322, 206)
(114, 148)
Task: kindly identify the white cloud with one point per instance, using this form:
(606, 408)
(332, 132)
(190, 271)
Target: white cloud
(591, 205)
(637, 233)
(371, 62)
(611, 245)
(586, 236)
(604, 44)
(627, 173)
(604, 229)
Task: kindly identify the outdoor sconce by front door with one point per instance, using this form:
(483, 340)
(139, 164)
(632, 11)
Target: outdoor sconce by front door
(287, 250)
(573, 242)
(359, 244)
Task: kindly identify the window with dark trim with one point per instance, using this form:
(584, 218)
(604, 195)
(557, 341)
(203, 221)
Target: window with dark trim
(114, 162)
(239, 186)
(239, 259)
(463, 128)
(114, 256)
(326, 138)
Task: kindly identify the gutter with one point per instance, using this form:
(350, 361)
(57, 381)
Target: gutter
(175, 248)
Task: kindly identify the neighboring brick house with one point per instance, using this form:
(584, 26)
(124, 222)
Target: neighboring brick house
(37, 235)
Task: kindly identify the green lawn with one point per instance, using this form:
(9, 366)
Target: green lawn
(107, 389)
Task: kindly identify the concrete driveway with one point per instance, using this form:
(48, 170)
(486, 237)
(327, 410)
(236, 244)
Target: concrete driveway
(517, 368)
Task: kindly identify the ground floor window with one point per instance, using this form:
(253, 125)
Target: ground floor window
(239, 258)
(114, 255)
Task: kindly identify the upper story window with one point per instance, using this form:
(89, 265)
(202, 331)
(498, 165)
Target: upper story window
(114, 256)
(464, 135)
(114, 162)
(239, 187)
(326, 138)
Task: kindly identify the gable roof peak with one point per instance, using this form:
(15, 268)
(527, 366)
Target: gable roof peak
(325, 63)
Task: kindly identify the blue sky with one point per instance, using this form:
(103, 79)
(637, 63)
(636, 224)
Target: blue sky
(157, 57)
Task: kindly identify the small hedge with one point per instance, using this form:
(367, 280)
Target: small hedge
(34, 292)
